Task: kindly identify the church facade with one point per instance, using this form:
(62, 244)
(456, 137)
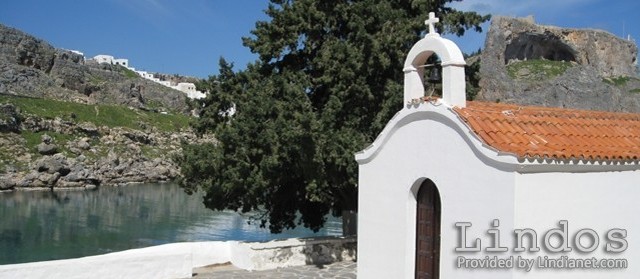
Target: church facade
(460, 189)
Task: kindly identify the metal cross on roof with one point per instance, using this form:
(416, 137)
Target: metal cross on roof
(431, 21)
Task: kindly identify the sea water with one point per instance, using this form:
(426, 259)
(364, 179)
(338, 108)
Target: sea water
(44, 225)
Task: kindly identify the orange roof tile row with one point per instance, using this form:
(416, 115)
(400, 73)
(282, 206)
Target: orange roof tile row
(531, 132)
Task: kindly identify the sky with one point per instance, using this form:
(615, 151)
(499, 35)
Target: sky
(188, 37)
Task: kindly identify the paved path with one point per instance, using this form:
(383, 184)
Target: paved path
(346, 269)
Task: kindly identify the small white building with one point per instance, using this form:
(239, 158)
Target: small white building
(145, 74)
(121, 61)
(190, 89)
(108, 59)
(186, 87)
(102, 58)
(457, 189)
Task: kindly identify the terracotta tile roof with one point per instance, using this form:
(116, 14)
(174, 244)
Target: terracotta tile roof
(531, 132)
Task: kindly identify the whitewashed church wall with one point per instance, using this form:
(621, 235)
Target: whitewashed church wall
(471, 191)
(600, 201)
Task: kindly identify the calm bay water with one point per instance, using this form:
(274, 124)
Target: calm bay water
(40, 226)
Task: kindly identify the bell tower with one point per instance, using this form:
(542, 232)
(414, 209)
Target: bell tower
(453, 79)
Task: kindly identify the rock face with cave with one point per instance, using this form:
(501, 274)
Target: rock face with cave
(596, 68)
(539, 46)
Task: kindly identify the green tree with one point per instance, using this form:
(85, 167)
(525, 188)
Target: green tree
(327, 80)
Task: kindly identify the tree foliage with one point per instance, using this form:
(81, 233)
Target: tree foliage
(327, 80)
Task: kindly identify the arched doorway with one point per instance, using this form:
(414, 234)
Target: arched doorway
(428, 231)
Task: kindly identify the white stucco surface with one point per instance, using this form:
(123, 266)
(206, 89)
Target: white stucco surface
(177, 260)
(600, 201)
(165, 261)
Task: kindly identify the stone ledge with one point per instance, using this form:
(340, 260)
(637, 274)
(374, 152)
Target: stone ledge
(293, 252)
(178, 260)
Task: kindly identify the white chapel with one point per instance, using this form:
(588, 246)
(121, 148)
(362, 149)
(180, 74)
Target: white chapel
(466, 189)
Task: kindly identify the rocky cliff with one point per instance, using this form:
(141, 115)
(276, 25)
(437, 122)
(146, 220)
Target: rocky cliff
(530, 64)
(55, 153)
(32, 67)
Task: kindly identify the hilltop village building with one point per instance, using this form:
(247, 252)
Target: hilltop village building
(186, 87)
(467, 189)
(108, 59)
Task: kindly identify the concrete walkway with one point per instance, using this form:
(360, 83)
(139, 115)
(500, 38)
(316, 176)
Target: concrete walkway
(345, 269)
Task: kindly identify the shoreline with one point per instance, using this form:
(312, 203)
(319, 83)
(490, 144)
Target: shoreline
(73, 189)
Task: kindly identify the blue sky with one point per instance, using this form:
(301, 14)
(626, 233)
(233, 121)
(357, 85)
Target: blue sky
(189, 36)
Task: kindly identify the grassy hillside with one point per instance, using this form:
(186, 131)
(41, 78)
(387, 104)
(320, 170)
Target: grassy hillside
(536, 69)
(100, 115)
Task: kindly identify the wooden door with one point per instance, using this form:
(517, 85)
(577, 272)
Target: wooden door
(428, 232)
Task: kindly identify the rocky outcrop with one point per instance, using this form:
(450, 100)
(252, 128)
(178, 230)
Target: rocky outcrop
(93, 156)
(55, 172)
(10, 119)
(581, 68)
(118, 170)
(521, 39)
(47, 147)
(18, 48)
(32, 67)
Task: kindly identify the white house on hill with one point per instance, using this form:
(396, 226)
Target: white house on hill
(457, 189)
(108, 59)
(190, 90)
(101, 58)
